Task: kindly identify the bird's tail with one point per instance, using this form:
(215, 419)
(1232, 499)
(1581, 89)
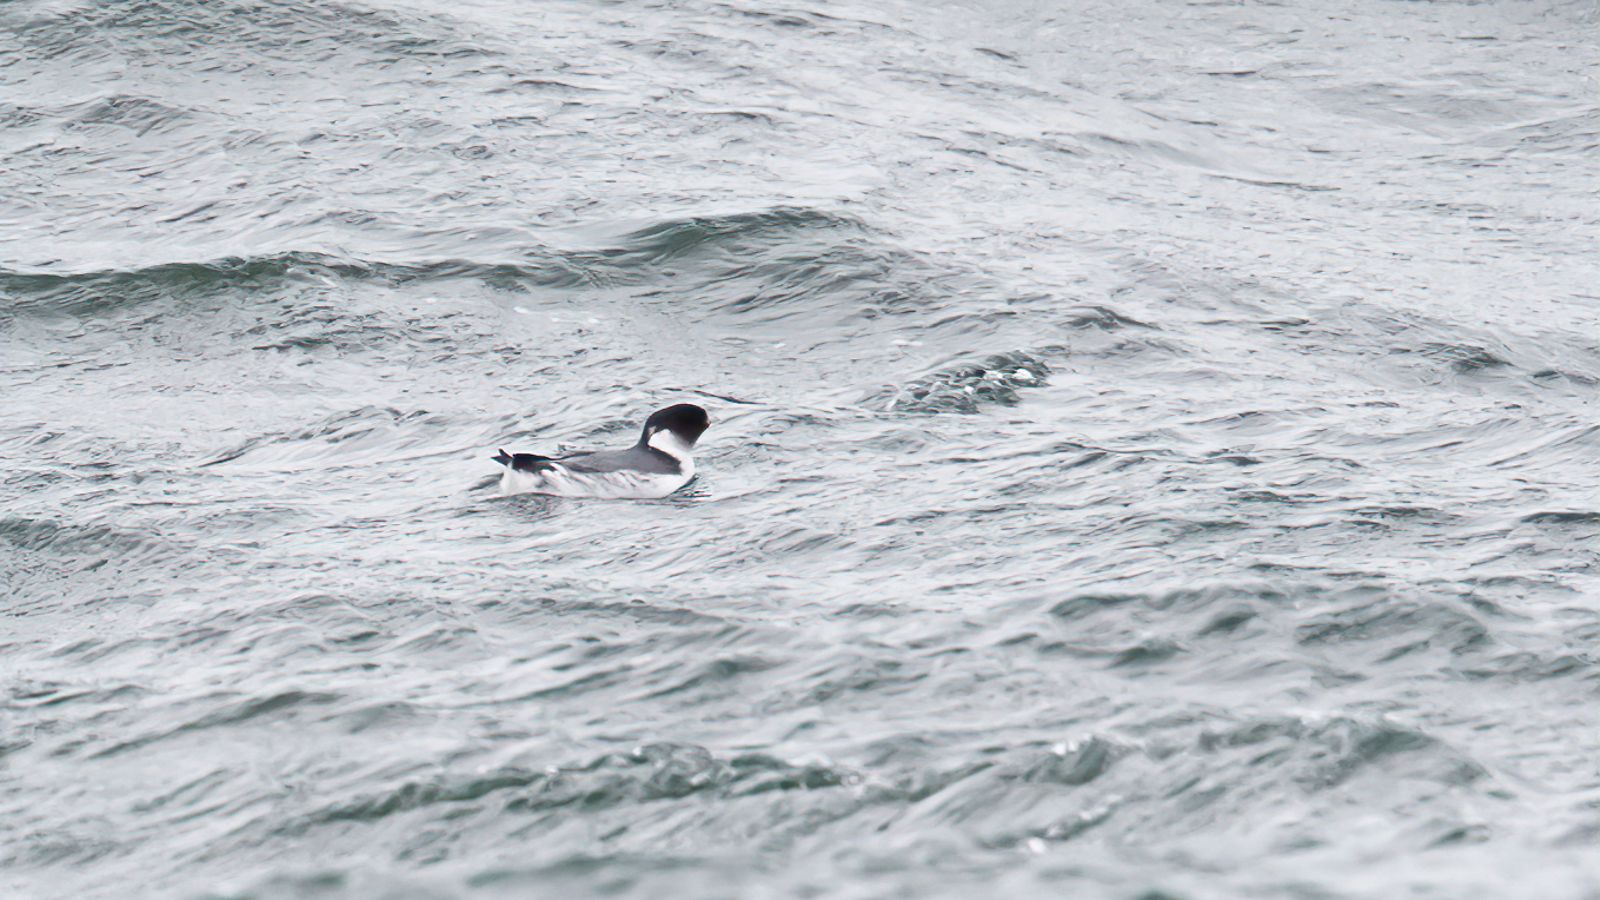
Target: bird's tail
(523, 462)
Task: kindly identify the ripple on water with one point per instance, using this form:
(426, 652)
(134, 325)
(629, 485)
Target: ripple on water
(1105, 497)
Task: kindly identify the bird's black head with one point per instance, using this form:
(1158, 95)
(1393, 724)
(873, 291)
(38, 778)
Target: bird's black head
(684, 420)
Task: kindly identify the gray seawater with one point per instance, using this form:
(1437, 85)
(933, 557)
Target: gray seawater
(1156, 455)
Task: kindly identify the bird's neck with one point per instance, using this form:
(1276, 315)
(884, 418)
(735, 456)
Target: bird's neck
(670, 444)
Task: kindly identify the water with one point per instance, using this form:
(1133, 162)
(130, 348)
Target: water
(1155, 448)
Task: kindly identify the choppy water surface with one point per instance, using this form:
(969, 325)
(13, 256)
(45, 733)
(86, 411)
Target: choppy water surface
(1156, 448)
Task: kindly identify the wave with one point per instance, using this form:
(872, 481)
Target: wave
(373, 429)
(745, 241)
(647, 773)
(82, 292)
(174, 29)
(676, 237)
(71, 540)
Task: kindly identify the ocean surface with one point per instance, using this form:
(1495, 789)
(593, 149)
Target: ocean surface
(1156, 448)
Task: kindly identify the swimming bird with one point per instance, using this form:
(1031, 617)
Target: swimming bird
(654, 467)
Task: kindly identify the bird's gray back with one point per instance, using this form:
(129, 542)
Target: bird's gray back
(639, 459)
